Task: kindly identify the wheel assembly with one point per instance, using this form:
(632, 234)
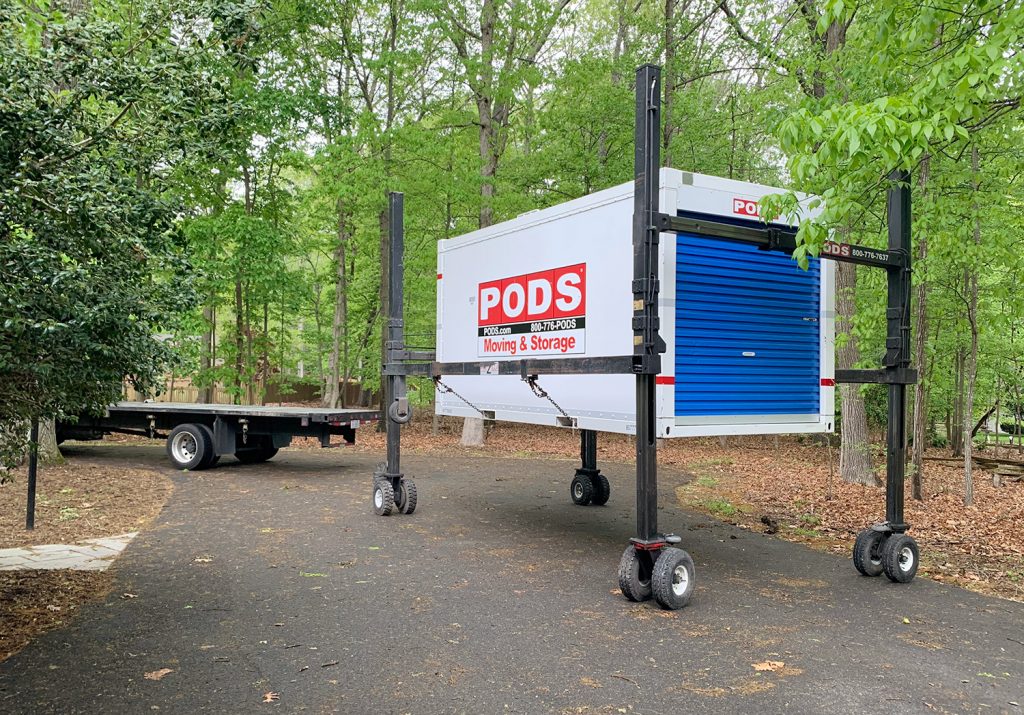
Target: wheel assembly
(211, 458)
(900, 558)
(602, 489)
(635, 574)
(867, 551)
(383, 497)
(405, 496)
(190, 446)
(673, 578)
(581, 489)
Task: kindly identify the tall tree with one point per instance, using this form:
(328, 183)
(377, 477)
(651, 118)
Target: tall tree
(495, 52)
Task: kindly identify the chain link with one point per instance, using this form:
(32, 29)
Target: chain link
(442, 388)
(531, 381)
(539, 391)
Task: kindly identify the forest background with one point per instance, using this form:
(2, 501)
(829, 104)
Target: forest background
(214, 173)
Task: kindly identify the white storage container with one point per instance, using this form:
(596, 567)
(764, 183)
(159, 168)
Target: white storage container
(750, 335)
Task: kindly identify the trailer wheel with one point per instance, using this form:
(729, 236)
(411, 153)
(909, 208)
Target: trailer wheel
(255, 455)
(635, 575)
(581, 489)
(189, 446)
(900, 558)
(673, 578)
(383, 497)
(211, 457)
(602, 489)
(867, 552)
(405, 497)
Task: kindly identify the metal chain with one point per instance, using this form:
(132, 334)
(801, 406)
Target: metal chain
(442, 388)
(539, 391)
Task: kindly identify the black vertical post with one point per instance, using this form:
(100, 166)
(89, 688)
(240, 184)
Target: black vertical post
(33, 466)
(897, 346)
(395, 340)
(588, 451)
(646, 341)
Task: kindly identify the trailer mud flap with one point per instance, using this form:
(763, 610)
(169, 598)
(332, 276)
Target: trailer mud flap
(225, 435)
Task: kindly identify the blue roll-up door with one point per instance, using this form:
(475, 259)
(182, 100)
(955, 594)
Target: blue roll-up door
(747, 332)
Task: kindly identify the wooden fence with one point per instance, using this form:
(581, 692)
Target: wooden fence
(182, 390)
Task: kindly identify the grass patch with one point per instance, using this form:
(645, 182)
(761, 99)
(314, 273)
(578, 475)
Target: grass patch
(720, 507)
(707, 481)
(803, 531)
(810, 519)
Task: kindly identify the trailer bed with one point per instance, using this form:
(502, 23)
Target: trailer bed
(198, 435)
(314, 414)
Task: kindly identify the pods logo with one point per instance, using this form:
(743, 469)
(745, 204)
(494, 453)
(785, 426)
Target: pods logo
(745, 207)
(541, 313)
(544, 295)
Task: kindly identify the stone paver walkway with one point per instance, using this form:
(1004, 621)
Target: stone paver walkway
(90, 555)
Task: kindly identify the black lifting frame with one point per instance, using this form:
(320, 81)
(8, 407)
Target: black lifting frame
(645, 361)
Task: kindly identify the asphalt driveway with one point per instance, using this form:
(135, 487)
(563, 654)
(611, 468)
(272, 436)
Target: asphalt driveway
(496, 596)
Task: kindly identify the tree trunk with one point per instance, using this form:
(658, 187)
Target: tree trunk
(956, 438)
(332, 397)
(205, 393)
(49, 452)
(854, 453)
(972, 357)
(920, 423)
(473, 427)
(239, 340)
(265, 355)
(669, 84)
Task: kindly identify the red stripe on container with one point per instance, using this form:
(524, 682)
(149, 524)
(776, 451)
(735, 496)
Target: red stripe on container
(828, 382)
(665, 380)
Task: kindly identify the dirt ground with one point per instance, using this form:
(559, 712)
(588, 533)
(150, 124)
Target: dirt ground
(787, 482)
(74, 501)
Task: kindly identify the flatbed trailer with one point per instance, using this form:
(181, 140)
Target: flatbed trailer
(198, 435)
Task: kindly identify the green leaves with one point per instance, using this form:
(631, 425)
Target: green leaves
(93, 124)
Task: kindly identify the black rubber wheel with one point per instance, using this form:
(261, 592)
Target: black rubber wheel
(211, 458)
(405, 497)
(867, 552)
(255, 455)
(189, 446)
(673, 578)
(581, 490)
(383, 497)
(602, 490)
(900, 558)
(635, 575)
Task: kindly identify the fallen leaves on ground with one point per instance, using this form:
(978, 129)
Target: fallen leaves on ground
(271, 697)
(33, 602)
(158, 674)
(119, 500)
(769, 666)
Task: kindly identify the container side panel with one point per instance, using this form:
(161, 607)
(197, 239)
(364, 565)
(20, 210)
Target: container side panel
(747, 332)
(553, 284)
